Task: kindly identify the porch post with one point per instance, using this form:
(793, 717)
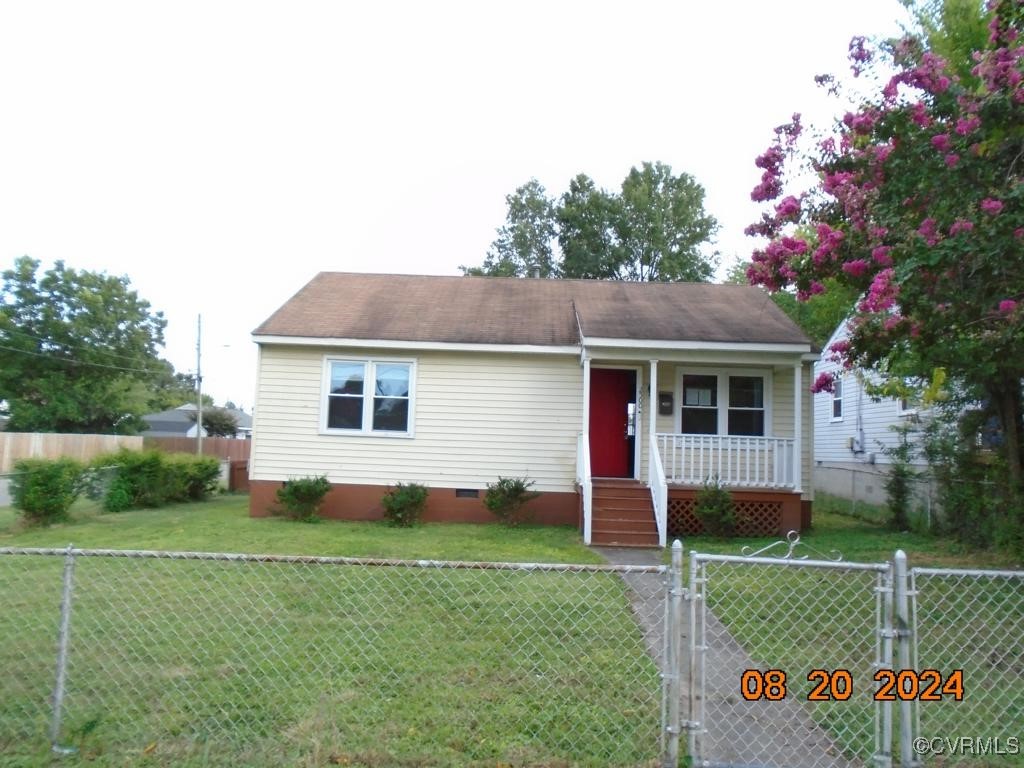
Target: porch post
(798, 428)
(586, 395)
(652, 404)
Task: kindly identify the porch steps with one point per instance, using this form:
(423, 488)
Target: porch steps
(623, 515)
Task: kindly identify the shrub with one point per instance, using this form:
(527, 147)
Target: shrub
(44, 489)
(506, 498)
(715, 509)
(152, 479)
(403, 504)
(194, 478)
(300, 499)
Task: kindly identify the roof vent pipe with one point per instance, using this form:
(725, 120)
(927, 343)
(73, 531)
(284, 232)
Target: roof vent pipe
(535, 272)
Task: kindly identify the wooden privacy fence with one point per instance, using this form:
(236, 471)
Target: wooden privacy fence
(53, 445)
(227, 448)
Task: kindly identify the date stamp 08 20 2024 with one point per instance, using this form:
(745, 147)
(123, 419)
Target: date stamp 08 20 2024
(838, 685)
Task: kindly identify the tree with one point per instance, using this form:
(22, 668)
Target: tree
(218, 422)
(920, 208)
(169, 389)
(654, 229)
(818, 316)
(586, 219)
(77, 350)
(524, 242)
(662, 225)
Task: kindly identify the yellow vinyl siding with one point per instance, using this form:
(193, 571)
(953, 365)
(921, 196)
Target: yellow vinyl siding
(476, 416)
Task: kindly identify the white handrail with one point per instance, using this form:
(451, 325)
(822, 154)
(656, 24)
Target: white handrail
(659, 490)
(737, 461)
(585, 482)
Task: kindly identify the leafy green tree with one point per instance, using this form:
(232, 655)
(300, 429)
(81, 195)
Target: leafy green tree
(77, 350)
(169, 389)
(654, 229)
(218, 422)
(920, 208)
(586, 231)
(662, 225)
(524, 242)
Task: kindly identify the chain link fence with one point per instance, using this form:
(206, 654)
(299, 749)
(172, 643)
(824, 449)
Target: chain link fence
(973, 621)
(244, 660)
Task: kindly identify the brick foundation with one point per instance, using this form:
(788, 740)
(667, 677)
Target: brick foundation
(362, 502)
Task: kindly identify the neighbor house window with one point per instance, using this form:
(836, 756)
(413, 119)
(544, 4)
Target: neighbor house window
(837, 399)
(728, 403)
(369, 396)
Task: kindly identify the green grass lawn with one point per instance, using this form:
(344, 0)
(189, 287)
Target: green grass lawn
(266, 664)
(224, 525)
(866, 542)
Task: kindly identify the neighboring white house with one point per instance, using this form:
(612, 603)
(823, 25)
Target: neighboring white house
(852, 431)
(454, 381)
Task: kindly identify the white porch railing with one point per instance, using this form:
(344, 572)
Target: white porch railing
(585, 482)
(737, 461)
(659, 491)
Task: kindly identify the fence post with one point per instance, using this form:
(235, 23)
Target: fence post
(904, 637)
(673, 656)
(883, 652)
(63, 641)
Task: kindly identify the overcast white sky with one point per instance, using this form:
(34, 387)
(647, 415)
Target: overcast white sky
(222, 153)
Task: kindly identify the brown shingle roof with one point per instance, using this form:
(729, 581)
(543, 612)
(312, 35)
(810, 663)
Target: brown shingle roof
(489, 310)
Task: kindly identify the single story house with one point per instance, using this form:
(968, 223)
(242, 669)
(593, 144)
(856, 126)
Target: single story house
(181, 422)
(618, 399)
(175, 422)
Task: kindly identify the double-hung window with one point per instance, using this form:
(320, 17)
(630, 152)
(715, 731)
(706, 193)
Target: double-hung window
(369, 396)
(837, 399)
(723, 404)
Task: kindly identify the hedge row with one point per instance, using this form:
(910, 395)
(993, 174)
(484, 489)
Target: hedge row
(43, 490)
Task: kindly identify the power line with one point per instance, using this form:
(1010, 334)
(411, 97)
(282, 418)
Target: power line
(70, 346)
(71, 361)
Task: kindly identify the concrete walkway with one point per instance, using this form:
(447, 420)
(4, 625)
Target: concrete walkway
(742, 734)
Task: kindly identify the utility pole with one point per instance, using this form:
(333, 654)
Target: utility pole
(199, 385)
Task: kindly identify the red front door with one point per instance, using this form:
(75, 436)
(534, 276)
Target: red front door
(612, 399)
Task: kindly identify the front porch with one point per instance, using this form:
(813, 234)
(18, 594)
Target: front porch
(669, 426)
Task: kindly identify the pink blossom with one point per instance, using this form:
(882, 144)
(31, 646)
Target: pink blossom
(991, 206)
(919, 114)
(855, 268)
(952, 159)
(881, 255)
(941, 142)
(967, 125)
(859, 54)
(1019, 233)
(788, 208)
(960, 225)
(824, 383)
(929, 230)
(1006, 306)
(882, 294)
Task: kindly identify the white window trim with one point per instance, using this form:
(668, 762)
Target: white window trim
(368, 387)
(723, 375)
(842, 401)
(901, 411)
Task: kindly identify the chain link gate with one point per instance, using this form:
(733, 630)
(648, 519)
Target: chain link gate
(803, 663)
